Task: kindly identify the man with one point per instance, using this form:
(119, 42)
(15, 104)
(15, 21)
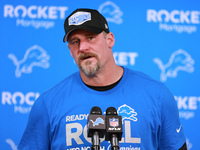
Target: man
(58, 118)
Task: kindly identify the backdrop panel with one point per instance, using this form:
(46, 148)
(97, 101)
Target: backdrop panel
(158, 38)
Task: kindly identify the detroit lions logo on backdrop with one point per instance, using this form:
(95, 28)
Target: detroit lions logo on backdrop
(34, 56)
(189, 145)
(179, 61)
(111, 12)
(12, 144)
(97, 121)
(127, 113)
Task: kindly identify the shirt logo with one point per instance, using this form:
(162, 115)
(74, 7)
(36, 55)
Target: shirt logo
(97, 121)
(127, 113)
(179, 129)
(79, 18)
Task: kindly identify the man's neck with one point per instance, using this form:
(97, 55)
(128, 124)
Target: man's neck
(103, 79)
(104, 88)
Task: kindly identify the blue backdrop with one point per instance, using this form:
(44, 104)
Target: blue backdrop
(159, 38)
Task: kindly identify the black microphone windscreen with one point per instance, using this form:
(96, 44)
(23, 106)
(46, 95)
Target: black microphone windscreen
(96, 111)
(111, 111)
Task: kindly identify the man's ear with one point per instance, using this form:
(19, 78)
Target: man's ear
(69, 49)
(110, 39)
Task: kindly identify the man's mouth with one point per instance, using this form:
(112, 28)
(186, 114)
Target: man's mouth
(86, 56)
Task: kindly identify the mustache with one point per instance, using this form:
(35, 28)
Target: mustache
(83, 56)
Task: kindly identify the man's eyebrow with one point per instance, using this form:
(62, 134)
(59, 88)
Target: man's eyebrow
(70, 40)
(90, 34)
(86, 35)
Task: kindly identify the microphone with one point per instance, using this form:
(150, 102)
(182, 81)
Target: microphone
(113, 128)
(96, 127)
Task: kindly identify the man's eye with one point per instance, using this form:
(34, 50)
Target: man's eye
(75, 42)
(90, 38)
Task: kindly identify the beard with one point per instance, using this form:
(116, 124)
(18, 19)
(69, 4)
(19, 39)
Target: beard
(87, 67)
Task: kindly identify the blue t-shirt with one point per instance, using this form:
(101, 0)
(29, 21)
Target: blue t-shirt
(149, 114)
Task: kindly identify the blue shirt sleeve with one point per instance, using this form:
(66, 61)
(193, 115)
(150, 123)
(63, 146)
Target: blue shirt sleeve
(36, 135)
(171, 130)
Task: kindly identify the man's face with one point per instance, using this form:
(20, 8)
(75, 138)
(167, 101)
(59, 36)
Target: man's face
(89, 50)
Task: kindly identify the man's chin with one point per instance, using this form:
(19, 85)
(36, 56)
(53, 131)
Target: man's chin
(89, 70)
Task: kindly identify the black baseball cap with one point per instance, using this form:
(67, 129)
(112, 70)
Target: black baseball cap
(88, 19)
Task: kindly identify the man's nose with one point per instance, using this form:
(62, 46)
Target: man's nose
(83, 46)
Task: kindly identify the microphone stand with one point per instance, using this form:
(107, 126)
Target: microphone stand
(95, 141)
(114, 142)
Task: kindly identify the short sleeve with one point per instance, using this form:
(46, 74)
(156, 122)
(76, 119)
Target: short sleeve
(171, 131)
(36, 135)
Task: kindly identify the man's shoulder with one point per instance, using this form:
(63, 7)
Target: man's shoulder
(63, 85)
(57, 93)
(141, 79)
(139, 75)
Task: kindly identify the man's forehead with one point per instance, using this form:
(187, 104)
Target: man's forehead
(80, 32)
